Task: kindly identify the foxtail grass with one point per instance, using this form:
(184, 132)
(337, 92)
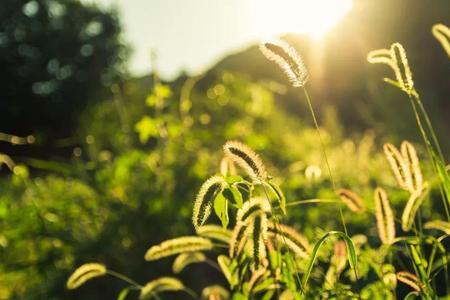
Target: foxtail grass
(84, 273)
(352, 200)
(247, 159)
(177, 246)
(205, 198)
(442, 34)
(397, 60)
(290, 61)
(384, 216)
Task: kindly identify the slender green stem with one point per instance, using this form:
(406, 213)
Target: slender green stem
(289, 253)
(430, 127)
(124, 278)
(415, 100)
(311, 109)
(190, 292)
(311, 201)
(212, 264)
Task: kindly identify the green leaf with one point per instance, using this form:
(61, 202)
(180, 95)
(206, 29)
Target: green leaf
(234, 196)
(244, 189)
(234, 179)
(351, 253)
(221, 209)
(266, 284)
(124, 293)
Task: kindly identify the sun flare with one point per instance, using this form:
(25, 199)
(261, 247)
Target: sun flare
(312, 17)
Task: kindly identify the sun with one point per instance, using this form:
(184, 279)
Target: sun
(311, 17)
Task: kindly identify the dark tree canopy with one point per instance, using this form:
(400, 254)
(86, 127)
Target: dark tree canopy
(55, 56)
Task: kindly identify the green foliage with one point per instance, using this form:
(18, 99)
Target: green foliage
(145, 157)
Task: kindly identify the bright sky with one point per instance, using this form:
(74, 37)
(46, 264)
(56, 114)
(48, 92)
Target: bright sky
(192, 35)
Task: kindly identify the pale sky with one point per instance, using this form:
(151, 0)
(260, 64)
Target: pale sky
(192, 35)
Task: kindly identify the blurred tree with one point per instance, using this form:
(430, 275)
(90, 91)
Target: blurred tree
(55, 55)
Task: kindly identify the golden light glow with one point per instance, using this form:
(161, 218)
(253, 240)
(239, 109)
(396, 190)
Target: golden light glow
(312, 17)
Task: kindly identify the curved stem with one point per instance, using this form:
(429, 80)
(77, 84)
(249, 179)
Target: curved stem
(212, 264)
(124, 278)
(311, 201)
(190, 292)
(311, 109)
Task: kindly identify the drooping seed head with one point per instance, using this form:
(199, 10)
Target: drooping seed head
(252, 208)
(214, 232)
(177, 246)
(160, 285)
(185, 259)
(246, 158)
(409, 279)
(442, 34)
(395, 57)
(205, 199)
(286, 235)
(288, 59)
(382, 56)
(384, 216)
(438, 225)
(352, 200)
(84, 273)
(215, 292)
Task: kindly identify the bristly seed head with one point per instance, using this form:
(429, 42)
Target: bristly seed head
(399, 166)
(384, 216)
(247, 159)
(442, 34)
(409, 279)
(205, 198)
(352, 200)
(85, 273)
(288, 59)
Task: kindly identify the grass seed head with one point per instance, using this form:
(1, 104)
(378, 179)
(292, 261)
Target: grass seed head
(246, 158)
(402, 70)
(438, 225)
(163, 284)
(409, 279)
(410, 156)
(177, 246)
(185, 259)
(288, 59)
(384, 216)
(351, 200)
(205, 198)
(255, 206)
(442, 34)
(84, 273)
(399, 166)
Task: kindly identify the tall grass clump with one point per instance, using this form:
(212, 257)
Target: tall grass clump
(240, 228)
(395, 57)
